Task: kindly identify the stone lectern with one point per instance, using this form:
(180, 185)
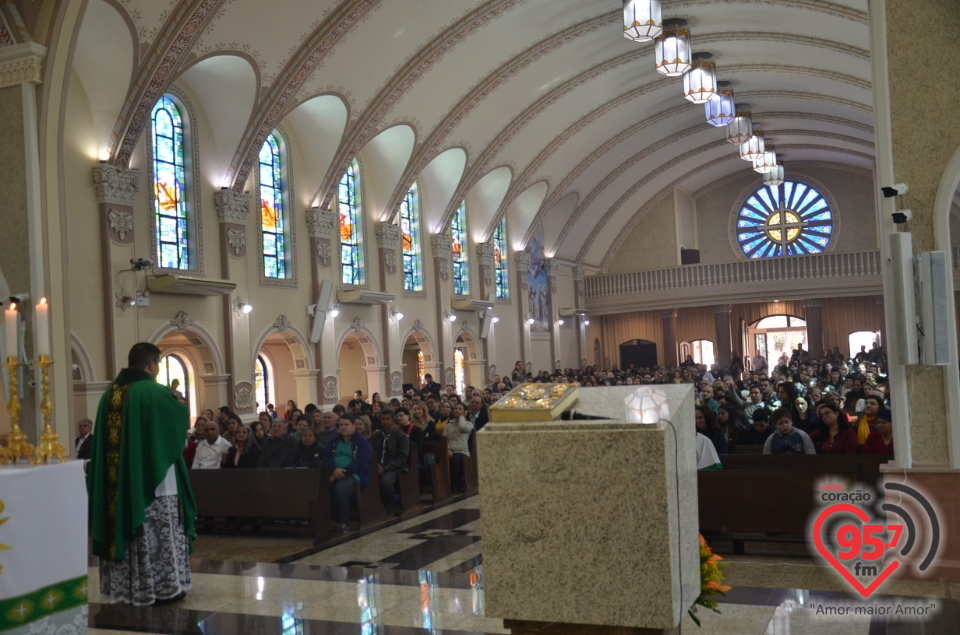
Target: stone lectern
(591, 526)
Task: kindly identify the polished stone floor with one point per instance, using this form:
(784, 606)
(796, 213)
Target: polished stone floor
(425, 576)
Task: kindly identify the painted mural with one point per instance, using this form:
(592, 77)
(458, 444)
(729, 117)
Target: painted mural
(538, 285)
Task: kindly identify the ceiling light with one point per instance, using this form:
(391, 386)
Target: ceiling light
(673, 51)
(452, 317)
(752, 149)
(335, 311)
(739, 129)
(641, 19)
(586, 322)
(721, 109)
(774, 177)
(560, 322)
(396, 315)
(530, 321)
(495, 319)
(241, 307)
(700, 82)
(767, 162)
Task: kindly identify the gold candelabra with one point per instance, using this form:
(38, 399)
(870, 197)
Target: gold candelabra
(49, 446)
(17, 446)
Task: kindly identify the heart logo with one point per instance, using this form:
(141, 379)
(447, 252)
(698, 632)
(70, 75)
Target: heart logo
(832, 559)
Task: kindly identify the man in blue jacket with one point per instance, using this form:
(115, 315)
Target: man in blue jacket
(347, 459)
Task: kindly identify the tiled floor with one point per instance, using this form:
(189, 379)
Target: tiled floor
(425, 576)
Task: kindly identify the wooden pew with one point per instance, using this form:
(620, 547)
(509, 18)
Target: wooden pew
(410, 483)
(470, 472)
(440, 472)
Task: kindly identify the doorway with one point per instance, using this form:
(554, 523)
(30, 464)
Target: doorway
(777, 336)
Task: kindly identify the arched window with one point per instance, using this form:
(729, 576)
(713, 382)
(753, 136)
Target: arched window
(410, 228)
(263, 387)
(792, 219)
(170, 186)
(702, 351)
(172, 367)
(461, 269)
(273, 221)
(500, 259)
(459, 379)
(351, 226)
(421, 368)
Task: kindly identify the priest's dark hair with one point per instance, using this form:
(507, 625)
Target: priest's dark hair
(142, 354)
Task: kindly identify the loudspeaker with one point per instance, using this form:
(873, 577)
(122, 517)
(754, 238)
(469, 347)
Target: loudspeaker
(934, 291)
(320, 311)
(901, 274)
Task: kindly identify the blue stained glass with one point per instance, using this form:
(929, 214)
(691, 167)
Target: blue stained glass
(273, 220)
(410, 234)
(802, 225)
(500, 259)
(170, 207)
(458, 232)
(351, 226)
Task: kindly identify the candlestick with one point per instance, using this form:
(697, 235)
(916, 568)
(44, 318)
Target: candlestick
(13, 332)
(43, 327)
(49, 445)
(17, 446)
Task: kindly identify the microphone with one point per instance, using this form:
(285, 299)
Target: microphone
(573, 415)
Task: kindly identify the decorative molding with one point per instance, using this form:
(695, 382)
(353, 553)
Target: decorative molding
(389, 261)
(722, 308)
(667, 314)
(232, 207)
(116, 186)
(448, 377)
(443, 268)
(182, 322)
(388, 235)
(579, 272)
(283, 323)
(396, 382)
(324, 252)
(237, 240)
(21, 64)
(357, 325)
(812, 303)
(120, 224)
(528, 367)
(485, 256)
(522, 260)
(491, 372)
(322, 223)
(330, 388)
(441, 246)
(244, 397)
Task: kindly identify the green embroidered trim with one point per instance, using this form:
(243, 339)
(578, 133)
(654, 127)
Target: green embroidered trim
(15, 612)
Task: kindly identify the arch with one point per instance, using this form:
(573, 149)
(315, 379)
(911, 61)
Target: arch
(182, 347)
(438, 181)
(294, 340)
(206, 346)
(470, 342)
(786, 334)
(424, 340)
(82, 360)
(369, 344)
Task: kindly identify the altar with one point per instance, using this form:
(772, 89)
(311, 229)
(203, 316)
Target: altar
(592, 522)
(43, 549)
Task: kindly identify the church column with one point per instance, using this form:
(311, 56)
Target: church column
(117, 191)
(388, 242)
(579, 272)
(322, 227)
(521, 263)
(721, 316)
(488, 290)
(233, 209)
(442, 247)
(553, 268)
(671, 347)
(814, 317)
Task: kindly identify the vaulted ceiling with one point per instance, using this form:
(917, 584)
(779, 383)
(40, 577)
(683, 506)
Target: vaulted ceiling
(539, 110)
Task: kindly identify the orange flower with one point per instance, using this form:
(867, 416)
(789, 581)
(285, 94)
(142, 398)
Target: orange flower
(714, 559)
(703, 543)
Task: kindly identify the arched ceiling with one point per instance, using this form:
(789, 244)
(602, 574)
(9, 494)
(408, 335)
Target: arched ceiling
(487, 99)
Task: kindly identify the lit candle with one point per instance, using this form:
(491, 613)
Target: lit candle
(43, 327)
(13, 342)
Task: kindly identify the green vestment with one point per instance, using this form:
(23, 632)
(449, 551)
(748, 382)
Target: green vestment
(140, 432)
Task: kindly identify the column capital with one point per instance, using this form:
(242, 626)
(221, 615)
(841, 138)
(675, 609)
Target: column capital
(441, 245)
(388, 235)
(522, 260)
(813, 302)
(552, 266)
(21, 64)
(232, 207)
(485, 252)
(722, 308)
(579, 272)
(667, 314)
(322, 223)
(116, 186)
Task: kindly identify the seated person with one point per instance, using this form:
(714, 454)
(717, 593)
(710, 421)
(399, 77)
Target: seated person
(729, 418)
(834, 436)
(760, 431)
(872, 404)
(707, 426)
(211, 450)
(245, 452)
(279, 449)
(347, 459)
(401, 417)
(309, 452)
(787, 439)
(756, 401)
(707, 458)
(880, 441)
(325, 424)
(392, 449)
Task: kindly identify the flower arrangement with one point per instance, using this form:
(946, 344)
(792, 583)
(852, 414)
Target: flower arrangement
(711, 581)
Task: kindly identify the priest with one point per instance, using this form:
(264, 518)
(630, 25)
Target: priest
(142, 505)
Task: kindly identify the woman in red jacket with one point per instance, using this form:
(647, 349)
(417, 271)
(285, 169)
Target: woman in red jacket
(834, 436)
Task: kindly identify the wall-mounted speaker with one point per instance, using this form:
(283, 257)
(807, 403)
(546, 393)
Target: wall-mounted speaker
(934, 288)
(900, 262)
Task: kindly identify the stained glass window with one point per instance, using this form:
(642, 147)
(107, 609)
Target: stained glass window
(169, 185)
(421, 368)
(500, 259)
(172, 367)
(792, 219)
(261, 381)
(272, 217)
(351, 263)
(459, 378)
(410, 229)
(461, 269)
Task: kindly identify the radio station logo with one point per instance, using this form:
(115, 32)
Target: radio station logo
(866, 543)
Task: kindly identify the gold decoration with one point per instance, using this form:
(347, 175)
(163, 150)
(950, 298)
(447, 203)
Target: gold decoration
(50, 445)
(535, 402)
(17, 446)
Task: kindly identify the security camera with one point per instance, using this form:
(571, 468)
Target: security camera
(900, 189)
(32, 383)
(902, 215)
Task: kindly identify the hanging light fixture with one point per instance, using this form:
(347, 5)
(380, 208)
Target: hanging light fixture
(752, 148)
(740, 128)
(700, 82)
(642, 20)
(774, 177)
(767, 162)
(673, 49)
(721, 109)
